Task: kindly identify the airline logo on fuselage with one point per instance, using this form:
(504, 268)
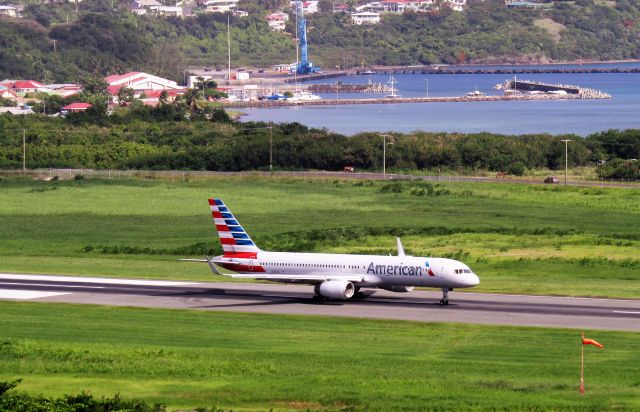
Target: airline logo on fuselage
(395, 270)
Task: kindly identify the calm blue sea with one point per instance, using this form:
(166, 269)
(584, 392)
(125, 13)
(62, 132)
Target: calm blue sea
(580, 117)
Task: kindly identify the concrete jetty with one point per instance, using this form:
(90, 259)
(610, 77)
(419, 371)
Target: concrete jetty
(403, 100)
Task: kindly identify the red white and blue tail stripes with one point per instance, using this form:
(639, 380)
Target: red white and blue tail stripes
(235, 241)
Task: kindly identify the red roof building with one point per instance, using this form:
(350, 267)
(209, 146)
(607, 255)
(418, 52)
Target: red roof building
(75, 107)
(24, 86)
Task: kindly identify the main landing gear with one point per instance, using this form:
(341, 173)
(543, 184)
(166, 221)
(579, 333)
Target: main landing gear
(445, 297)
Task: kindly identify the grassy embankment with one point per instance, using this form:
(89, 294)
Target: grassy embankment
(518, 238)
(257, 362)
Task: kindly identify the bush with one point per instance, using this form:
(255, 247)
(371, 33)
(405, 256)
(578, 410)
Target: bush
(517, 169)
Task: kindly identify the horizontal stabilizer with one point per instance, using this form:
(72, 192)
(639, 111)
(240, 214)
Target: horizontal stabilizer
(208, 260)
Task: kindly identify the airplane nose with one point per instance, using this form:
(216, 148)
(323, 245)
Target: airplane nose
(473, 279)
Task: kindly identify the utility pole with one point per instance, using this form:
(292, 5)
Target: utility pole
(24, 151)
(270, 148)
(566, 159)
(384, 156)
(229, 48)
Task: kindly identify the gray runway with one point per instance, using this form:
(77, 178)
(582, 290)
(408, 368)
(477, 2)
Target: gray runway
(421, 306)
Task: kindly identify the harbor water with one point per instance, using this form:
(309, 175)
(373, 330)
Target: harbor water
(581, 117)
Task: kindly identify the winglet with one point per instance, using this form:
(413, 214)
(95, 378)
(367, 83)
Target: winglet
(213, 266)
(400, 247)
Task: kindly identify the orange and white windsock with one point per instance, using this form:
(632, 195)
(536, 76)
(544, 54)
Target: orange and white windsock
(586, 341)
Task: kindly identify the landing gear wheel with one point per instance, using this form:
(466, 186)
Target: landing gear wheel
(445, 297)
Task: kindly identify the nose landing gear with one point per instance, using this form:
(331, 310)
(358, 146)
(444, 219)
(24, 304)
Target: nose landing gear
(445, 297)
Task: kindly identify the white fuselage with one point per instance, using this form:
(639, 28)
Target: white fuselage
(365, 270)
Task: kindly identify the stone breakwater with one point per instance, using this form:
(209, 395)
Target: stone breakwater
(349, 88)
(398, 100)
(532, 86)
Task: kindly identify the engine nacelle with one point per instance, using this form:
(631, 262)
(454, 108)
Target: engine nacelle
(336, 289)
(398, 288)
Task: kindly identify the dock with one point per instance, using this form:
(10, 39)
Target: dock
(505, 70)
(404, 100)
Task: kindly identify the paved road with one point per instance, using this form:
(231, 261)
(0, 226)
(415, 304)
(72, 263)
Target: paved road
(587, 313)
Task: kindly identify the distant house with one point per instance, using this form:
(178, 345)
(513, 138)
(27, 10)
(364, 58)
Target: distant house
(64, 89)
(24, 86)
(7, 93)
(308, 7)
(139, 82)
(365, 17)
(11, 11)
(277, 21)
(141, 7)
(511, 4)
(75, 108)
(169, 11)
(219, 6)
(457, 5)
(340, 8)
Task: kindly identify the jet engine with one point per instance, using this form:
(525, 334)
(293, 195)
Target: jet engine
(336, 289)
(398, 288)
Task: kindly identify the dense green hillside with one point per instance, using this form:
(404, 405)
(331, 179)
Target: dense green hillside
(103, 39)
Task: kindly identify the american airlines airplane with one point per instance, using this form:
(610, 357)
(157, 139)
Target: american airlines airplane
(334, 276)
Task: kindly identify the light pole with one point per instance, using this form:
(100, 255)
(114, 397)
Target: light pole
(270, 148)
(566, 159)
(384, 156)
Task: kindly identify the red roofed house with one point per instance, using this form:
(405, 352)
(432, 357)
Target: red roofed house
(277, 21)
(340, 8)
(75, 108)
(24, 86)
(7, 93)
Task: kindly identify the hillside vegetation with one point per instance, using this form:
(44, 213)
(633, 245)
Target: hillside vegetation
(161, 138)
(103, 40)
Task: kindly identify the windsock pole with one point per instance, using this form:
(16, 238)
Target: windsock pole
(582, 366)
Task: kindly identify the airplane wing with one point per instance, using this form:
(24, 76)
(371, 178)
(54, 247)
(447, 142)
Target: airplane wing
(302, 278)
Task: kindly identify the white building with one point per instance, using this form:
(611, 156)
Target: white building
(10, 11)
(308, 7)
(457, 5)
(139, 82)
(219, 6)
(277, 21)
(169, 11)
(365, 17)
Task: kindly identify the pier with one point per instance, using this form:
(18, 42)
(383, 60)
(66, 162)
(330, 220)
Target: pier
(505, 70)
(403, 100)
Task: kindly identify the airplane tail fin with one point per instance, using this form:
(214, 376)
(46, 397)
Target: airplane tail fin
(233, 238)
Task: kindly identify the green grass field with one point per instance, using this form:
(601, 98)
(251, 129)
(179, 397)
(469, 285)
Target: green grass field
(518, 238)
(188, 359)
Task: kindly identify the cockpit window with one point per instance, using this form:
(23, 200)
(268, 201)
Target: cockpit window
(461, 271)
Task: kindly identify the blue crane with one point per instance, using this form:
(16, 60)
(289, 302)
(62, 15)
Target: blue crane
(304, 65)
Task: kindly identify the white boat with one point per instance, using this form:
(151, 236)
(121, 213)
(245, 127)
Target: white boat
(475, 93)
(392, 94)
(303, 96)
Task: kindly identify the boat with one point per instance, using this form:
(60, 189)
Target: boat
(392, 94)
(369, 72)
(303, 96)
(277, 96)
(475, 93)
